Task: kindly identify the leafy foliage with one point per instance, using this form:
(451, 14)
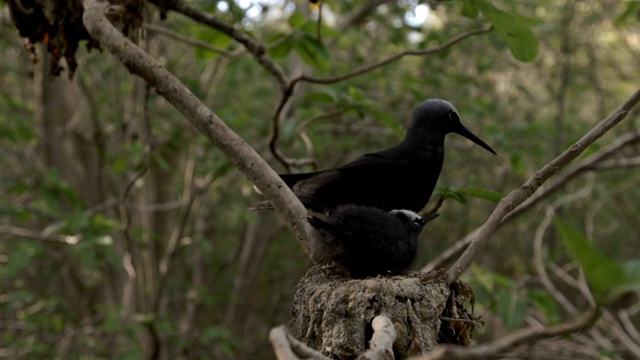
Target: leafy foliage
(111, 164)
(608, 278)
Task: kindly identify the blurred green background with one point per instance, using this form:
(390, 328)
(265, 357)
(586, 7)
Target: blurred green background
(124, 233)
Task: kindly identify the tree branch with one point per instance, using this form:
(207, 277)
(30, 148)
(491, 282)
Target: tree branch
(256, 49)
(241, 154)
(589, 163)
(511, 340)
(519, 195)
(199, 43)
(413, 52)
(286, 347)
(381, 344)
(44, 235)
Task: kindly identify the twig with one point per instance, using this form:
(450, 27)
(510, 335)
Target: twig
(544, 191)
(413, 52)
(538, 260)
(358, 15)
(624, 319)
(466, 321)
(302, 132)
(540, 267)
(30, 234)
(381, 344)
(256, 49)
(510, 341)
(618, 163)
(617, 329)
(519, 195)
(178, 229)
(202, 118)
(199, 43)
(588, 163)
(286, 347)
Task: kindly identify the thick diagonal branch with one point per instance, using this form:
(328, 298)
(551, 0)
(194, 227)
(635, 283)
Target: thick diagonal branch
(592, 162)
(241, 154)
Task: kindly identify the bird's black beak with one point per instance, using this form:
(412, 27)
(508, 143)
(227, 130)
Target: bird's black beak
(427, 218)
(461, 130)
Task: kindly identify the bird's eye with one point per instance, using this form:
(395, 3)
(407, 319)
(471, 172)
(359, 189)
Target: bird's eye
(452, 115)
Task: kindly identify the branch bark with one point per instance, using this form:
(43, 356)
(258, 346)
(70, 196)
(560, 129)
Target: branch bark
(510, 341)
(519, 195)
(592, 162)
(241, 154)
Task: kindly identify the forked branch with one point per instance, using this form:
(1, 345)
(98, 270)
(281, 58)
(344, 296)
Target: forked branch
(519, 195)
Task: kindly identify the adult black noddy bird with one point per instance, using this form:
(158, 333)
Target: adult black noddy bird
(366, 241)
(401, 177)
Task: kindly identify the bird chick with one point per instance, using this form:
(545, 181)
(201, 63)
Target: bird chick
(366, 241)
(401, 177)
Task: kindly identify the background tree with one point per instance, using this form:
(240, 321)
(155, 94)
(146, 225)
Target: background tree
(125, 233)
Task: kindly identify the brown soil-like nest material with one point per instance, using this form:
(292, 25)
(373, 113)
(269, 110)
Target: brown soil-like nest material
(333, 313)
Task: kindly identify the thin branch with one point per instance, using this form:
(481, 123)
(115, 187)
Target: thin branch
(286, 347)
(358, 15)
(555, 184)
(413, 52)
(618, 330)
(288, 89)
(241, 154)
(381, 344)
(36, 235)
(187, 40)
(624, 319)
(256, 49)
(519, 195)
(589, 163)
(466, 321)
(511, 340)
(618, 163)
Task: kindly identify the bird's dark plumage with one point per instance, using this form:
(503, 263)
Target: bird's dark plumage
(401, 177)
(366, 241)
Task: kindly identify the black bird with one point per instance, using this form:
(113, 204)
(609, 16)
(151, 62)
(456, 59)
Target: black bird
(401, 177)
(366, 241)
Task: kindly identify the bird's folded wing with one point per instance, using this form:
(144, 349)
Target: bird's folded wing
(362, 169)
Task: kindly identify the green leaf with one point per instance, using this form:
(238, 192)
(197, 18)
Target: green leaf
(546, 304)
(511, 307)
(450, 192)
(608, 278)
(322, 97)
(632, 278)
(282, 49)
(630, 15)
(513, 29)
(296, 20)
(481, 193)
(469, 9)
(312, 51)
